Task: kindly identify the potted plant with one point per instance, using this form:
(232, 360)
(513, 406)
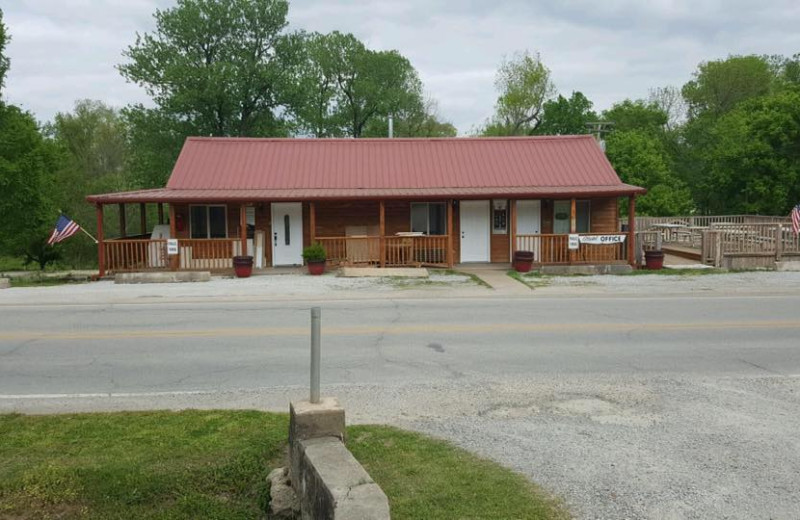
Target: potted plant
(315, 257)
(523, 261)
(243, 266)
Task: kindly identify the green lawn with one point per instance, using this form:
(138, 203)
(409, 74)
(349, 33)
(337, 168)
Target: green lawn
(213, 464)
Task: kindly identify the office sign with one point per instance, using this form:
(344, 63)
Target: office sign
(601, 239)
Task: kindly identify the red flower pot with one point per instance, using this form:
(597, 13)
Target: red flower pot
(316, 268)
(653, 260)
(523, 261)
(243, 266)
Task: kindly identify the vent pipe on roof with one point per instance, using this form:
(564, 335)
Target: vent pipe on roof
(391, 126)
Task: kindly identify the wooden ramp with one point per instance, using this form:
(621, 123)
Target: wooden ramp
(689, 253)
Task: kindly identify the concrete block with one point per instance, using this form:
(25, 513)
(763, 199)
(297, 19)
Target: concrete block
(791, 265)
(333, 485)
(368, 272)
(586, 269)
(323, 419)
(163, 277)
(5, 283)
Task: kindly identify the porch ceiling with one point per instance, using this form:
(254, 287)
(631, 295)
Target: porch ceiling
(189, 195)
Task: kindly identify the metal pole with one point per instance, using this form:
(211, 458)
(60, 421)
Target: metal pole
(315, 348)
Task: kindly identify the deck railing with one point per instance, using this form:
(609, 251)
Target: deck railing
(136, 255)
(398, 250)
(770, 240)
(208, 253)
(643, 222)
(554, 249)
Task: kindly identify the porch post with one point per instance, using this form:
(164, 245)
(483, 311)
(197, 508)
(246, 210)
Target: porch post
(312, 223)
(382, 222)
(573, 225)
(101, 249)
(122, 222)
(631, 230)
(512, 226)
(160, 213)
(174, 260)
(143, 218)
(450, 256)
(243, 228)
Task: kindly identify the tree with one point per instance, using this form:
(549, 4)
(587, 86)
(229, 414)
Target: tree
(670, 101)
(26, 165)
(640, 159)
(345, 89)
(418, 120)
(753, 158)
(524, 85)
(4, 62)
(564, 116)
(719, 85)
(636, 115)
(218, 64)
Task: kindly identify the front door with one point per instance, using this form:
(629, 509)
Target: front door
(529, 222)
(474, 230)
(287, 233)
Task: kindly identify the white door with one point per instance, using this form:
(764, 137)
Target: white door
(287, 233)
(475, 230)
(529, 222)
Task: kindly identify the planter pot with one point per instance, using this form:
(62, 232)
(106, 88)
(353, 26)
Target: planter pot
(523, 261)
(316, 267)
(654, 260)
(243, 266)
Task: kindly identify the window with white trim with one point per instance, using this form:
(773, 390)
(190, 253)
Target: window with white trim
(208, 221)
(429, 218)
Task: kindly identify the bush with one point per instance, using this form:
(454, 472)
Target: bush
(315, 253)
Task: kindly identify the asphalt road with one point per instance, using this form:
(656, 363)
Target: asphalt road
(628, 407)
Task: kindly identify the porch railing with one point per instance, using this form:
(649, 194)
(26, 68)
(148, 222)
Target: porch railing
(136, 255)
(769, 240)
(397, 250)
(127, 255)
(554, 249)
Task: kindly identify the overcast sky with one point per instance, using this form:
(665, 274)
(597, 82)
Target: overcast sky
(64, 50)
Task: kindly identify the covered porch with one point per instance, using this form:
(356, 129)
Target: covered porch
(206, 234)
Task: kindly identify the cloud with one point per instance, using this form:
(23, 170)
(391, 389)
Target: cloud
(66, 50)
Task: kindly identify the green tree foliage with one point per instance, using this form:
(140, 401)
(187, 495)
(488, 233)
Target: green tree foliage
(27, 163)
(719, 85)
(640, 159)
(753, 157)
(344, 89)
(217, 63)
(636, 115)
(525, 86)
(566, 116)
(4, 62)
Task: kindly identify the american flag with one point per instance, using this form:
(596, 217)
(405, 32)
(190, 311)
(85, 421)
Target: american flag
(795, 214)
(65, 228)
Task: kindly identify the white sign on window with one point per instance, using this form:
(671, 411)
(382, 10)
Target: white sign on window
(574, 241)
(602, 239)
(172, 246)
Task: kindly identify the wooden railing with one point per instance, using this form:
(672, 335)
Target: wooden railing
(205, 253)
(643, 222)
(151, 255)
(769, 240)
(136, 255)
(554, 249)
(398, 250)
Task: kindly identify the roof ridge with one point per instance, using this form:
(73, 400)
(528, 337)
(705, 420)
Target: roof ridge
(391, 139)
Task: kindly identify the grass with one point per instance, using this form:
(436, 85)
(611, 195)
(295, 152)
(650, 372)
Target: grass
(213, 464)
(532, 279)
(37, 280)
(401, 282)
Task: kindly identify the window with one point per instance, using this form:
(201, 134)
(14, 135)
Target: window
(428, 218)
(499, 217)
(561, 214)
(208, 222)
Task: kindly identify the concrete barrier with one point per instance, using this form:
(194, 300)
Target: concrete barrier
(329, 482)
(163, 277)
(5, 283)
(586, 269)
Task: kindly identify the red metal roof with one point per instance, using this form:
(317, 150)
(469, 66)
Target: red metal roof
(299, 169)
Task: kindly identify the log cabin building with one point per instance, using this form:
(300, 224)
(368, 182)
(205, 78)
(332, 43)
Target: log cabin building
(377, 202)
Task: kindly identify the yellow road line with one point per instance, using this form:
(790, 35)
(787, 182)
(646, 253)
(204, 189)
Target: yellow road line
(392, 329)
